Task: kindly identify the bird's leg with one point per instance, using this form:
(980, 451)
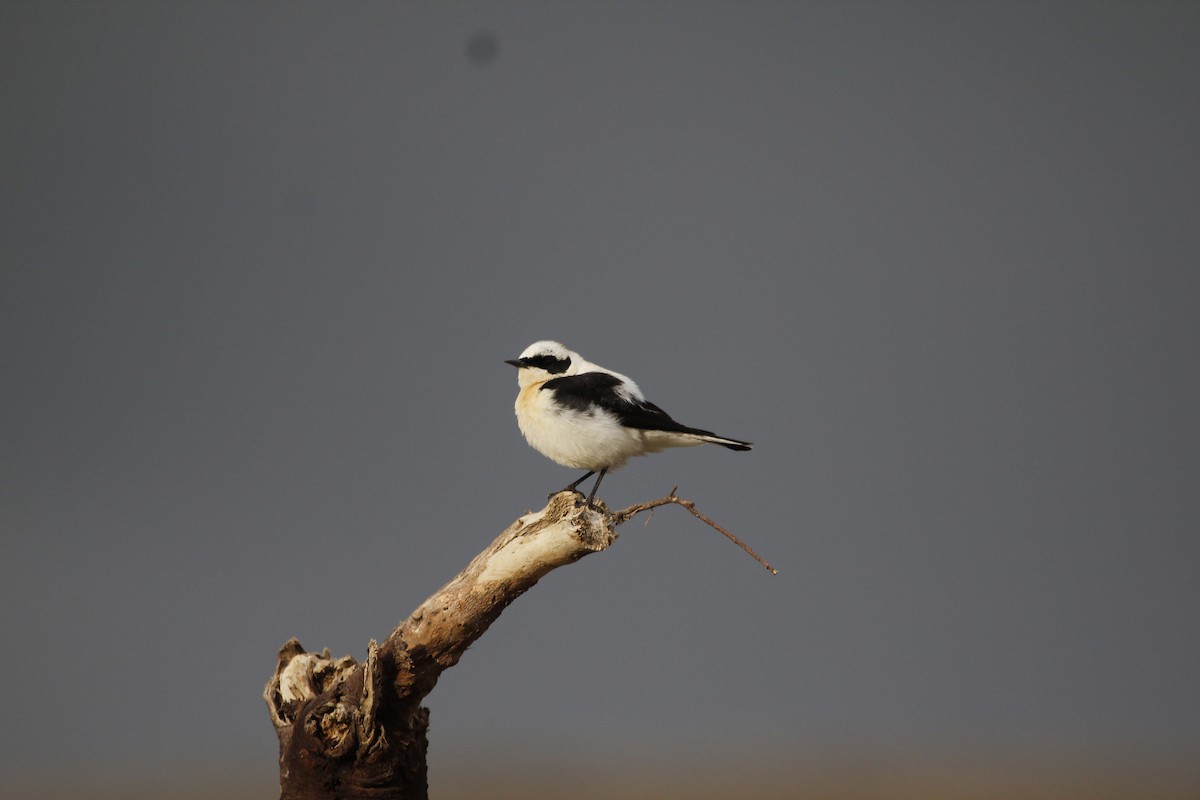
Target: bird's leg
(596, 485)
(572, 487)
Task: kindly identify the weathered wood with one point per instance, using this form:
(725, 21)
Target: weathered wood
(357, 730)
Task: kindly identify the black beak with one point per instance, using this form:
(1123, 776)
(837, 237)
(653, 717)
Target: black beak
(514, 361)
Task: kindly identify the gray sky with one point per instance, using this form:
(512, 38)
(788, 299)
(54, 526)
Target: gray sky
(262, 263)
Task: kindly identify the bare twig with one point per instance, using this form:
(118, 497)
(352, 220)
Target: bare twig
(625, 514)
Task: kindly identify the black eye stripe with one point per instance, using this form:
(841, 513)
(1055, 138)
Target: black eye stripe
(551, 364)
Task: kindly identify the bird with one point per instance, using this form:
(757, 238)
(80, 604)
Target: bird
(584, 416)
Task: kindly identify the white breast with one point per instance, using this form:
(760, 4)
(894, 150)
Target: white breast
(591, 440)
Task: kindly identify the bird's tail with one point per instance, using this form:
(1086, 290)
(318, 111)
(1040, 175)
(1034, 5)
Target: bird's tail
(732, 444)
(682, 436)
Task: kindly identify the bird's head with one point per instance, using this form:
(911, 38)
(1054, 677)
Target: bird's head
(544, 360)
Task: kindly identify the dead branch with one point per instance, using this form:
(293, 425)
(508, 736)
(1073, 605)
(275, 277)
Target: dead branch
(356, 730)
(350, 729)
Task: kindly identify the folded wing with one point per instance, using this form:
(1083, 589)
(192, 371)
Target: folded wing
(602, 390)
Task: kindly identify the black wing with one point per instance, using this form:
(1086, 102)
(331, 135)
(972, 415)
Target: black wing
(590, 390)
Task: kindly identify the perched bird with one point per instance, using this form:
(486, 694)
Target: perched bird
(582, 415)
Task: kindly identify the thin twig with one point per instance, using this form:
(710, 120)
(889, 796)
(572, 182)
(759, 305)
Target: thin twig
(625, 514)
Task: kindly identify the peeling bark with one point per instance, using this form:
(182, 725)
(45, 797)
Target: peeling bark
(357, 730)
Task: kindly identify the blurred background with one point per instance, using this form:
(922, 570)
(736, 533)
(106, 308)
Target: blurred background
(262, 263)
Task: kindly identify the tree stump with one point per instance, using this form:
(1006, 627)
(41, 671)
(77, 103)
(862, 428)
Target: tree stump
(357, 730)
